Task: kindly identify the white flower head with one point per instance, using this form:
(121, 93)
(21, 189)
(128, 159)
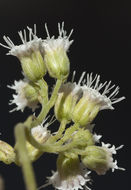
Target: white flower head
(41, 133)
(62, 42)
(92, 90)
(27, 47)
(74, 182)
(110, 151)
(19, 98)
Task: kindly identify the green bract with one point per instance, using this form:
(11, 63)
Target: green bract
(33, 66)
(57, 63)
(96, 159)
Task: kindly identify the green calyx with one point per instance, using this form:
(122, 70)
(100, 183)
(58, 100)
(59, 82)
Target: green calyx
(31, 94)
(83, 138)
(67, 166)
(96, 159)
(33, 66)
(64, 106)
(57, 63)
(85, 111)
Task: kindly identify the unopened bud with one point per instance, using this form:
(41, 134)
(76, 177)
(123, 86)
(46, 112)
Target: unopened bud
(7, 154)
(84, 137)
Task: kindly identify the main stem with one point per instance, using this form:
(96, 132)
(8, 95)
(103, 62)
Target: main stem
(68, 134)
(23, 158)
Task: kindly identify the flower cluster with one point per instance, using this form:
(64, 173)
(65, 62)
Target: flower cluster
(76, 104)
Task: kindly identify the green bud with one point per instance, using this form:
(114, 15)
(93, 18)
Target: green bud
(31, 94)
(84, 137)
(7, 154)
(85, 111)
(33, 66)
(67, 166)
(57, 63)
(96, 159)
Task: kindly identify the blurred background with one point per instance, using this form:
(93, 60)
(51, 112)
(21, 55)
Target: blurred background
(102, 38)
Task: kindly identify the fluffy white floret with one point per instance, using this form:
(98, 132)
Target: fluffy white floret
(71, 183)
(19, 98)
(110, 151)
(40, 132)
(92, 90)
(62, 42)
(27, 47)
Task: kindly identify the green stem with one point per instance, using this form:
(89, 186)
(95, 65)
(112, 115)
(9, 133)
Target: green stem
(68, 134)
(49, 105)
(42, 147)
(43, 91)
(23, 157)
(49, 147)
(59, 132)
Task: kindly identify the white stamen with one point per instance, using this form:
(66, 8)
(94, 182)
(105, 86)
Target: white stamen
(81, 78)
(51, 44)
(110, 151)
(27, 47)
(25, 36)
(92, 88)
(47, 31)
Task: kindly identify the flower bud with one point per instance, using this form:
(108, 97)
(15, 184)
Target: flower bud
(84, 137)
(31, 94)
(67, 97)
(7, 154)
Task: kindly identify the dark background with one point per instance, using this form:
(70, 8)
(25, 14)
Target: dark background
(102, 34)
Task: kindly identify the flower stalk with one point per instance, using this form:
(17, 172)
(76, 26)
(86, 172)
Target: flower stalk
(23, 158)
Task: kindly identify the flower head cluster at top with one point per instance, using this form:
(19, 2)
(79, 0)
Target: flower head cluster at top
(76, 104)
